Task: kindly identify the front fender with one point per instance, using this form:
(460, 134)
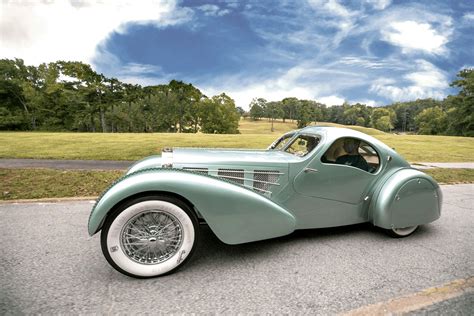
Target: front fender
(234, 213)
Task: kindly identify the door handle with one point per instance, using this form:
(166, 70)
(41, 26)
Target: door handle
(307, 170)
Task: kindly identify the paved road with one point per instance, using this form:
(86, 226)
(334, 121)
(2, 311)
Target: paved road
(123, 165)
(446, 165)
(48, 264)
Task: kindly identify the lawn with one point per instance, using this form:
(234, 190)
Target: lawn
(49, 183)
(133, 146)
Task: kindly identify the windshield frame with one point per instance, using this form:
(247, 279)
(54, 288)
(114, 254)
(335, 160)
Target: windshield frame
(275, 143)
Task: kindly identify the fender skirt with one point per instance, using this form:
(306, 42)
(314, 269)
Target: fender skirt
(408, 198)
(234, 213)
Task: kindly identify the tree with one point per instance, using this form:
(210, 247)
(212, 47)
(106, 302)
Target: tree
(461, 107)
(383, 123)
(219, 115)
(274, 110)
(257, 107)
(290, 106)
(431, 121)
(383, 118)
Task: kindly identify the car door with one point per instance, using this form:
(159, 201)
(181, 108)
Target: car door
(326, 178)
(332, 194)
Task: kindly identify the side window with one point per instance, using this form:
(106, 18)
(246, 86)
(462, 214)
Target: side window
(352, 152)
(302, 145)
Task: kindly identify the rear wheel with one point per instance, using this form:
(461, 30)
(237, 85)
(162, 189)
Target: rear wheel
(149, 236)
(402, 232)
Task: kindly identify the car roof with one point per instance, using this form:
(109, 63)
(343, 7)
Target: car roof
(333, 133)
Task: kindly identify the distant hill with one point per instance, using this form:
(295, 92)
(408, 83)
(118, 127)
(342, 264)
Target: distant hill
(263, 126)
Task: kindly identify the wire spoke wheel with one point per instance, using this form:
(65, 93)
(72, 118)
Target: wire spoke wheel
(152, 237)
(149, 236)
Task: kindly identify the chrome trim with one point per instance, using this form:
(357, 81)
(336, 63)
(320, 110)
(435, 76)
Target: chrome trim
(232, 171)
(260, 181)
(167, 158)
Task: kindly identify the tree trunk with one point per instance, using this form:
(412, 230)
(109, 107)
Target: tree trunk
(129, 116)
(92, 123)
(33, 121)
(112, 127)
(102, 119)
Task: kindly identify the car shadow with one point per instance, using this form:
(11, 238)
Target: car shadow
(211, 249)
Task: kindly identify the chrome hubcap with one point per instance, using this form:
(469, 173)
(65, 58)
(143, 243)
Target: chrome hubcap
(151, 237)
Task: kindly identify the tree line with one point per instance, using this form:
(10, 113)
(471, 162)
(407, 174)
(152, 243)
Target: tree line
(71, 96)
(450, 116)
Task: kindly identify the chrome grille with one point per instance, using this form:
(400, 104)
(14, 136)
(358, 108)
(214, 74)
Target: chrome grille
(234, 175)
(197, 170)
(263, 179)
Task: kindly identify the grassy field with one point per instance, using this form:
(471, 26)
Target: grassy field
(49, 183)
(107, 146)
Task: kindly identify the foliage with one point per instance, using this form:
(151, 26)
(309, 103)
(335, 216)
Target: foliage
(71, 96)
(431, 121)
(219, 115)
(257, 107)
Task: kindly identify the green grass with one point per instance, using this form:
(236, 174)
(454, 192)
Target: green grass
(49, 183)
(133, 146)
(451, 176)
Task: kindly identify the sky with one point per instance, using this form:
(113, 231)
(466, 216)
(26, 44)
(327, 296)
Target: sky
(370, 51)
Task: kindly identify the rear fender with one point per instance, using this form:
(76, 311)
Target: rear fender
(408, 198)
(234, 213)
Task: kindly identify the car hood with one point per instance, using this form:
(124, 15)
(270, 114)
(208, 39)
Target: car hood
(230, 156)
(198, 157)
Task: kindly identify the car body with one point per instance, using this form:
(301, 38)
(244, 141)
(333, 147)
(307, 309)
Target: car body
(302, 181)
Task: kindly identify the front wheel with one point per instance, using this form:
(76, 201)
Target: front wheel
(402, 232)
(149, 236)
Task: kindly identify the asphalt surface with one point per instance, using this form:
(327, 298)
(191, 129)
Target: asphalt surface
(48, 264)
(123, 165)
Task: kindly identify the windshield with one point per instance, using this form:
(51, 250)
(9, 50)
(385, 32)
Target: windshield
(302, 145)
(299, 146)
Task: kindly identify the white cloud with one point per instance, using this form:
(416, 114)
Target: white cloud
(379, 4)
(62, 30)
(304, 81)
(332, 7)
(415, 36)
(468, 16)
(427, 82)
(331, 100)
(367, 102)
(213, 10)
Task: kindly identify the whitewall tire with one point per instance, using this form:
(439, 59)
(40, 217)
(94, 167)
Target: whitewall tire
(402, 232)
(149, 236)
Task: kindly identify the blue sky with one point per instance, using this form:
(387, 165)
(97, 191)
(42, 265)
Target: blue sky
(371, 51)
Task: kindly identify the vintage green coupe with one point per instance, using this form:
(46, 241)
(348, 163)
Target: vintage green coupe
(310, 178)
